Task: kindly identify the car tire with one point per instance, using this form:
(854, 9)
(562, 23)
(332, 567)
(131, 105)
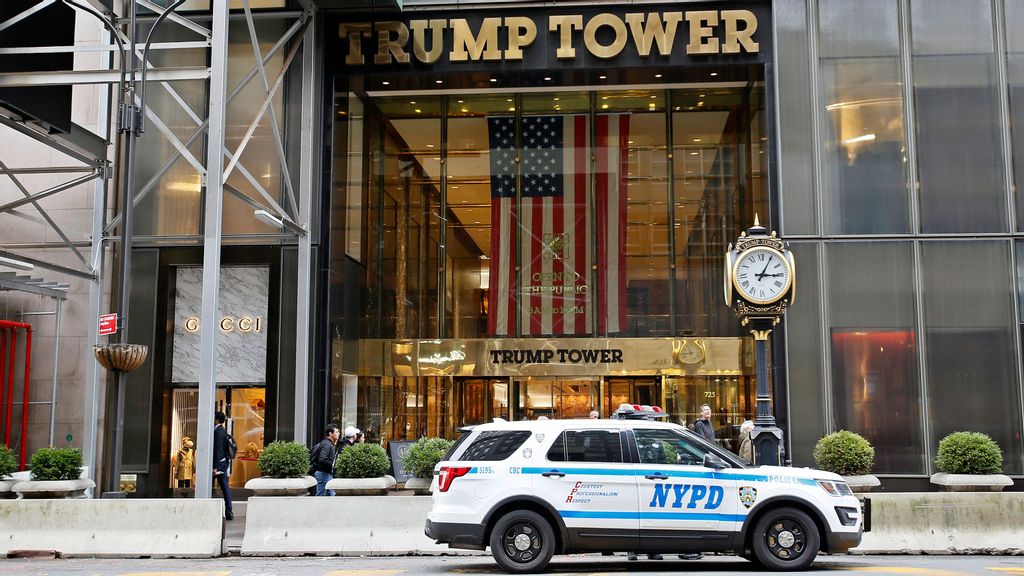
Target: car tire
(785, 539)
(522, 542)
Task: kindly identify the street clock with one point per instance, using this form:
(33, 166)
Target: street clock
(760, 274)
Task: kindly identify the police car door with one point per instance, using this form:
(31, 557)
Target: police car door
(590, 482)
(683, 505)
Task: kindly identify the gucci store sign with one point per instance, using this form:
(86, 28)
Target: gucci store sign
(556, 357)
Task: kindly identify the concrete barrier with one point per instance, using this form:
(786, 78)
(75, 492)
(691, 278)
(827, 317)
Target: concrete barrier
(945, 522)
(114, 528)
(342, 525)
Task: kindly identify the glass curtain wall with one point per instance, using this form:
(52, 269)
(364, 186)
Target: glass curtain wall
(904, 329)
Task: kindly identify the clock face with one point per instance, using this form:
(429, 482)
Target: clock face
(762, 275)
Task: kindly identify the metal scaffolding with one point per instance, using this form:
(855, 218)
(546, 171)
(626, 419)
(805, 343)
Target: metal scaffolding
(128, 73)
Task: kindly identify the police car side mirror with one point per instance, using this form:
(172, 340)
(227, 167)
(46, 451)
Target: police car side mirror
(714, 462)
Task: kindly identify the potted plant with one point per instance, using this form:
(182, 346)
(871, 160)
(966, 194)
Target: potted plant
(850, 455)
(56, 473)
(420, 460)
(970, 462)
(285, 471)
(361, 470)
(7, 467)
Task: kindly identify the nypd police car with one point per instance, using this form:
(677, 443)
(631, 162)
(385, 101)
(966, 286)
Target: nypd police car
(533, 489)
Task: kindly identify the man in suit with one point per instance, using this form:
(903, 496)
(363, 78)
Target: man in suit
(221, 462)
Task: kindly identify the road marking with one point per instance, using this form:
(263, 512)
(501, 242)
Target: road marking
(364, 572)
(1015, 570)
(176, 574)
(903, 570)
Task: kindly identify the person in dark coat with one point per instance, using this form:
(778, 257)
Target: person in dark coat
(321, 459)
(221, 462)
(703, 425)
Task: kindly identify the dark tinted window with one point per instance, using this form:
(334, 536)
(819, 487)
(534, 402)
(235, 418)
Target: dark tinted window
(496, 445)
(586, 446)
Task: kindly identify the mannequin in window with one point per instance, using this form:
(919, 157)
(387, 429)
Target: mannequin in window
(184, 463)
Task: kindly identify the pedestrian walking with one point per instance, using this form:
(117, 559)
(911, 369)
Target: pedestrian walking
(746, 449)
(321, 459)
(222, 460)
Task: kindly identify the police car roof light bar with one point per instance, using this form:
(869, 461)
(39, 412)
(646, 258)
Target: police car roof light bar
(638, 412)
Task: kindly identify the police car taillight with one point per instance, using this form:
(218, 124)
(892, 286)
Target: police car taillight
(448, 474)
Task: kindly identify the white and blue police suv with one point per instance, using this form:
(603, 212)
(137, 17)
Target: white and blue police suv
(533, 489)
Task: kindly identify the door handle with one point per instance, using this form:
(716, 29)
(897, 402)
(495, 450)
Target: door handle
(657, 476)
(551, 473)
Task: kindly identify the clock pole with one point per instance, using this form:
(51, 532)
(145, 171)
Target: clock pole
(760, 299)
(766, 437)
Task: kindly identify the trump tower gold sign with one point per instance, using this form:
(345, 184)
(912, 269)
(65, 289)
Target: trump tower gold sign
(581, 36)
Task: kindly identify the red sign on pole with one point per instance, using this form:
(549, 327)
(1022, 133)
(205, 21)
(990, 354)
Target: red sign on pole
(108, 324)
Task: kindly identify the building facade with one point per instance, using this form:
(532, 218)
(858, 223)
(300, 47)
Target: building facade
(522, 209)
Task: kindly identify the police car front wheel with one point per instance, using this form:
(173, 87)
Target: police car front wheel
(522, 541)
(785, 539)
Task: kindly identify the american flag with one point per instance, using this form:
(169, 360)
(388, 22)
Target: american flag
(555, 226)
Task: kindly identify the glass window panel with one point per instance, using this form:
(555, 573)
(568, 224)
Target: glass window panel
(876, 389)
(717, 190)
(647, 210)
(667, 447)
(591, 446)
(861, 78)
(470, 207)
(960, 163)
(796, 144)
(1014, 20)
(803, 363)
(970, 341)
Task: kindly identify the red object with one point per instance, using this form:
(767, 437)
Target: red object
(448, 474)
(108, 324)
(7, 404)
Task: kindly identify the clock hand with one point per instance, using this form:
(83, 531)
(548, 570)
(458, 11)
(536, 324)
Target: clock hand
(763, 272)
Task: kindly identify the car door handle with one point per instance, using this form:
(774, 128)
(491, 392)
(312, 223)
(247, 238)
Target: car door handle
(658, 476)
(551, 473)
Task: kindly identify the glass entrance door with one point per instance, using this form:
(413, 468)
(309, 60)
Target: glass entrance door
(476, 401)
(560, 398)
(731, 399)
(630, 390)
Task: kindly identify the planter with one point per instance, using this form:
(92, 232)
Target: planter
(862, 482)
(53, 488)
(280, 486)
(971, 482)
(6, 489)
(361, 486)
(420, 486)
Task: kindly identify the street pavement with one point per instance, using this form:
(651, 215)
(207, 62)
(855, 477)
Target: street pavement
(582, 565)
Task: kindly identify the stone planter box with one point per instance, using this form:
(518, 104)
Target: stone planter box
(420, 486)
(6, 489)
(361, 486)
(280, 486)
(53, 488)
(971, 482)
(862, 482)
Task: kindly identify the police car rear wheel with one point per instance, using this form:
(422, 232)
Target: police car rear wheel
(786, 539)
(522, 542)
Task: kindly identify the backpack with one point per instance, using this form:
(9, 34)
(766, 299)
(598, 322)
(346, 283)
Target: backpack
(232, 449)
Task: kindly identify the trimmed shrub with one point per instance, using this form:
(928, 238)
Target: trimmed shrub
(57, 464)
(424, 454)
(361, 461)
(284, 460)
(7, 462)
(845, 453)
(969, 453)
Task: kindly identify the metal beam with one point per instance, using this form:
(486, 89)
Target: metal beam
(27, 13)
(201, 30)
(81, 151)
(10, 281)
(101, 48)
(308, 169)
(57, 229)
(48, 265)
(76, 77)
(212, 230)
(49, 192)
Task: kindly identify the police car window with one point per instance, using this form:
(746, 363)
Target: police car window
(586, 446)
(667, 447)
(495, 445)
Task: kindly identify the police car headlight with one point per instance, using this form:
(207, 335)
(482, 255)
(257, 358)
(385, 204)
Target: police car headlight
(835, 488)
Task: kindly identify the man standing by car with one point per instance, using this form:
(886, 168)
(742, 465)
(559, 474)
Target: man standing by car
(321, 459)
(703, 425)
(221, 462)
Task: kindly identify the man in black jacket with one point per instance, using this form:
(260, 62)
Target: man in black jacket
(321, 459)
(703, 425)
(221, 462)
